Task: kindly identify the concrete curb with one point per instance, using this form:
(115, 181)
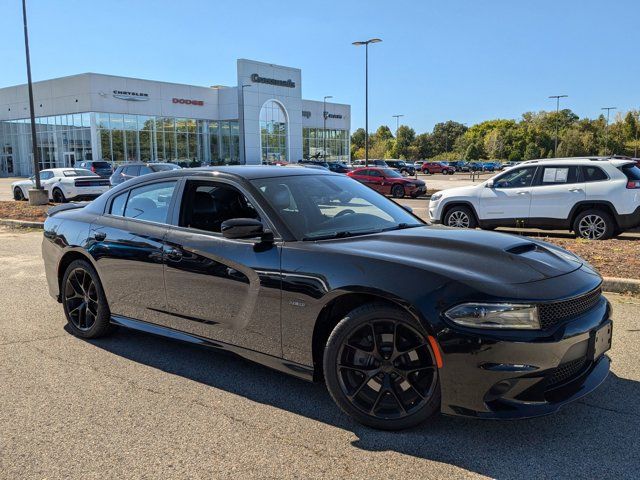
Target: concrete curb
(20, 223)
(609, 284)
(621, 285)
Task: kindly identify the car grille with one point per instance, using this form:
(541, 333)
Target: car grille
(565, 372)
(551, 314)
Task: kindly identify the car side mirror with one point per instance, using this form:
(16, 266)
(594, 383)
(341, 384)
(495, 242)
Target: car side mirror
(490, 184)
(245, 228)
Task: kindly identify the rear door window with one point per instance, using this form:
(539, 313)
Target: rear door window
(150, 202)
(593, 174)
(554, 175)
(132, 171)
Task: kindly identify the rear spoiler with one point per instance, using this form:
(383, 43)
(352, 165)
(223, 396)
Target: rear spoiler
(66, 206)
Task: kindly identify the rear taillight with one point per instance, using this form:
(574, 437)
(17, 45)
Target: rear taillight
(633, 184)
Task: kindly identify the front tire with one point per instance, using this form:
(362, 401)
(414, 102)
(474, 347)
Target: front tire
(397, 191)
(594, 225)
(460, 217)
(84, 302)
(18, 195)
(380, 369)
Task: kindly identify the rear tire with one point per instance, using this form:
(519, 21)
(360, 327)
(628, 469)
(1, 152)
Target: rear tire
(594, 225)
(84, 302)
(58, 196)
(367, 360)
(460, 217)
(397, 191)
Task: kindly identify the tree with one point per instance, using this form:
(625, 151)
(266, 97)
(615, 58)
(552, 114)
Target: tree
(532, 152)
(423, 146)
(473, 152)
(445, 134)
(383, 133)
(358, 138)
(404, 139)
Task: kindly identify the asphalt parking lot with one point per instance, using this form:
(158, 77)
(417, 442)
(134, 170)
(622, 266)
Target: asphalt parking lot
(138, 406)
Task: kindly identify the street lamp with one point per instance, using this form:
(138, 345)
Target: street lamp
(324, 126)
(397, 117)
(35, 198)
(557, 97)
(635, 150)
(606, 129)
(366, 94)
(244, 134)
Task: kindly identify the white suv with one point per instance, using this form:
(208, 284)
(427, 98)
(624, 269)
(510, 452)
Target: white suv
(597, 198)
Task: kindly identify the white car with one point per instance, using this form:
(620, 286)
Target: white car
(63, 184)
(597, 198)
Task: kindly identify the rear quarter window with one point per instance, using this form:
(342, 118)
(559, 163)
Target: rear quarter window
(632, 172)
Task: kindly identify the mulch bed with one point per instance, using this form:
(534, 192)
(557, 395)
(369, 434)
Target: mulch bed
(13, 210)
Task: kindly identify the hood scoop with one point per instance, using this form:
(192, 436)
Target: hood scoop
(522, 248)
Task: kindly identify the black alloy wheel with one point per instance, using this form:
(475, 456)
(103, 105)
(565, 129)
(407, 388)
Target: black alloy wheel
(397, 191)
(380, 368)
(18, 195)
(84, 302)
(58, 196)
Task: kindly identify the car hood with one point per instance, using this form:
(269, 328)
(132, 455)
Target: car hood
(469, 190)
(463, 255)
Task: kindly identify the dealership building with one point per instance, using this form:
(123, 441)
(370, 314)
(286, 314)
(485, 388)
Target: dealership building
(263, 119)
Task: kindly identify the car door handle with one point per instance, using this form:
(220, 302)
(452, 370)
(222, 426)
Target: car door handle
(100, 236)
(578, 190)
(522, 193)
(173, 253)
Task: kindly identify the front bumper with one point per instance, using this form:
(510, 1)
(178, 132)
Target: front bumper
(501, 376)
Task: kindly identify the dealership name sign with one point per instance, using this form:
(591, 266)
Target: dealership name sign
(131, 96)
(255, 78)
(186, 101)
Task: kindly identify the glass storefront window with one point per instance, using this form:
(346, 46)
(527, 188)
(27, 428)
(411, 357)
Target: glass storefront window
(273, 132)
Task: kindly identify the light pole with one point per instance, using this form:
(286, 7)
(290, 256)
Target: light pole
(635, 144)
(36, 162)
(606, 129)
(557, 97)
(244, 134)
(324, 126)
(366, 94)
(397, 117)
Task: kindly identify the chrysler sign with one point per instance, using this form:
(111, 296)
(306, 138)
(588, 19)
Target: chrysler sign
(255, 78)
(131, 96)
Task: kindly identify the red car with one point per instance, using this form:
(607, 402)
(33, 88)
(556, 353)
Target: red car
(389, 182)
(437, 167)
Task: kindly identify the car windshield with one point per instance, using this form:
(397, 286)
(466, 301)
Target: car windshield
(387, 172)
(164, 167)
(78, 172)
(316, 207)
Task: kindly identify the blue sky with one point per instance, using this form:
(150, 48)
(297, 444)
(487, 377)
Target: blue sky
(463, 60)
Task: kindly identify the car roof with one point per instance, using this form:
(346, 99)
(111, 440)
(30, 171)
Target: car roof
(580, 160)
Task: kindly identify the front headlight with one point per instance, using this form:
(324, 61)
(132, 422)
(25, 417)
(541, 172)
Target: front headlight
(435, 197)
(495, 315)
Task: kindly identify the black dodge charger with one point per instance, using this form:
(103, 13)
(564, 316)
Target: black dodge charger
(318, 276)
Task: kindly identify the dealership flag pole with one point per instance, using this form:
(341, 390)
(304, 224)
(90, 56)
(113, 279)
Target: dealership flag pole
(36, 164)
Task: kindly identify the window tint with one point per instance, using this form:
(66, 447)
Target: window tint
(144, 170)
(558, 175)
(150, 202)
(516, 178)
(97, 164)
(593, 174)
(46, 175)
(132, 170)
(206, 205)
(374, 173)
(118, 204)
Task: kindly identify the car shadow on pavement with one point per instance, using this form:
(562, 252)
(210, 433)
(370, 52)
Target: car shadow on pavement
(597, 437)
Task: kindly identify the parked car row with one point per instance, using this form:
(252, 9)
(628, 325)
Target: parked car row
(594, 197)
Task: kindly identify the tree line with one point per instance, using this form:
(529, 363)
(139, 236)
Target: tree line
(533, 136)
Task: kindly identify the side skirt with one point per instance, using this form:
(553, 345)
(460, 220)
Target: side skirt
(300, 371)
